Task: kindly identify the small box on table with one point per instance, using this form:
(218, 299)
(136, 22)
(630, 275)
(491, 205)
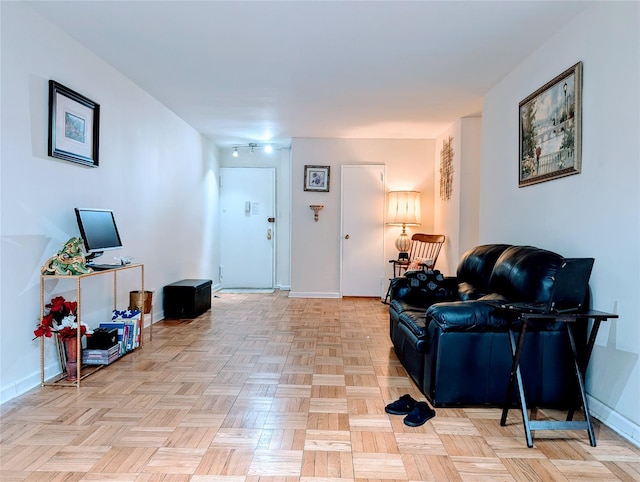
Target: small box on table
(102, 338)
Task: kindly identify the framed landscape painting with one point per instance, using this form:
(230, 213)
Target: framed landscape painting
(551, 129)
(74, 126)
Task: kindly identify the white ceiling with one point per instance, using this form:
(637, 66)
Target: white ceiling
(241, 71)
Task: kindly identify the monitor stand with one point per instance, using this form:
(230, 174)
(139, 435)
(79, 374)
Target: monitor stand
(91, 256)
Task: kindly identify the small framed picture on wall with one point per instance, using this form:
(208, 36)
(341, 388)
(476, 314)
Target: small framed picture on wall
(316, 178)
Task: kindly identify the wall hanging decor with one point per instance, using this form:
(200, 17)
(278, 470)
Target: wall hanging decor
(316, 178)
(74, 126)
(551, 129)
(446, 169)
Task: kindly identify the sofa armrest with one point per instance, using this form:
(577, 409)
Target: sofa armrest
(466, 316)
(478, 316)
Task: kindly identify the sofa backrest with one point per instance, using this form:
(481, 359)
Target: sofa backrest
(524, 273)
(474, 270)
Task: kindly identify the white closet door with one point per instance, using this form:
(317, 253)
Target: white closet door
(362, 193)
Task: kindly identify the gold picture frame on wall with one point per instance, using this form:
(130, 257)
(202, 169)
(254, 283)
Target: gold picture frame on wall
(550, 124)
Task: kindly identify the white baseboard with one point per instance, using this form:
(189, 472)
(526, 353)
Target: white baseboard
(247, 290)
(310, 294)
(616, 422)
(20, 387)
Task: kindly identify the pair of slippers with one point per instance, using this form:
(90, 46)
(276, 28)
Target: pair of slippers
(417, 413)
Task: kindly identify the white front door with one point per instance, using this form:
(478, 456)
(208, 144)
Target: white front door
(362, 230)
(247, 227)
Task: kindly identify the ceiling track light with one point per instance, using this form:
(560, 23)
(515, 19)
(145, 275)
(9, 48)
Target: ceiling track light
(252, 146)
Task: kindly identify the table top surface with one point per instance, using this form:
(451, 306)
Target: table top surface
(568, 316)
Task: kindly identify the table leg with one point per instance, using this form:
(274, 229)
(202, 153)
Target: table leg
(386, 298)
(516, 375)
(583, 395)
(587, 356)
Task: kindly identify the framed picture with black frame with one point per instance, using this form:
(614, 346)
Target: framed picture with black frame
(551, 129)
(316, 178)
(74, 126)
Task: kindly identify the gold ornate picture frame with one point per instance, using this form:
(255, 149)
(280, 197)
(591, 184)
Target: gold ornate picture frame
(551, 129)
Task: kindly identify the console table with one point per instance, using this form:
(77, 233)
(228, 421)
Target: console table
(78, 281)
(569, 319)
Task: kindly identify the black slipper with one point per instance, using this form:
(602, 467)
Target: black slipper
(402, 406)
(419, 415)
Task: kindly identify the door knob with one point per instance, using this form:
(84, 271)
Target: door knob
(346, 237)
(271, 220)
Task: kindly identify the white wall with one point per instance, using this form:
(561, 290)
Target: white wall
(457, 218)
(156, 173)
(315, 247)
(594, 213)
(280, 160)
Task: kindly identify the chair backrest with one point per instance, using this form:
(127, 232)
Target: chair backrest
(426, 246)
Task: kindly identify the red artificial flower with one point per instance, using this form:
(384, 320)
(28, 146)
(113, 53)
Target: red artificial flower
(55, 312)
(43, 331)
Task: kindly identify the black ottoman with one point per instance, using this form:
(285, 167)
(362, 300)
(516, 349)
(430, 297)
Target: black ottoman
(188, 298)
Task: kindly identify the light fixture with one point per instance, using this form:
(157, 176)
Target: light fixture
(404, 210)
(252, 146)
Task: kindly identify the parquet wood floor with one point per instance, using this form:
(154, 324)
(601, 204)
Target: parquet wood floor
(264, 388)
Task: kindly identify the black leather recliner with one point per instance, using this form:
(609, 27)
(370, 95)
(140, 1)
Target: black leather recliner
(455, 345)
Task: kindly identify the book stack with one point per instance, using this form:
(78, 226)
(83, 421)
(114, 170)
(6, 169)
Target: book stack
(97, 356)
(127, 322)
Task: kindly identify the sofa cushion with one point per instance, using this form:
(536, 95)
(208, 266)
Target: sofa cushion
(474, 270)
(525, 273)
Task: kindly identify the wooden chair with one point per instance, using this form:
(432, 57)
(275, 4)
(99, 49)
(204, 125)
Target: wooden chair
(423, 254)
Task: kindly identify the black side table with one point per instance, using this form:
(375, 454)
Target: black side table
(569, 319)
(399, 265)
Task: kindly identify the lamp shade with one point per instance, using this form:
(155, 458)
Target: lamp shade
(403, 208)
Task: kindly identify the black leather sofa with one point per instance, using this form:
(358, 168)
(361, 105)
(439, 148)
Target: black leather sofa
(455, 345)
